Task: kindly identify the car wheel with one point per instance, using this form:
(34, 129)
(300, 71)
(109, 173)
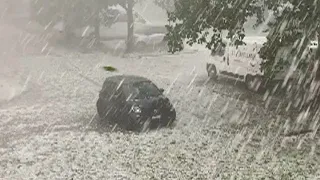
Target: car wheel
(139, 128)
(172, 119)
(129, 125)
(132, 125)
(212, 71)
(253, 82)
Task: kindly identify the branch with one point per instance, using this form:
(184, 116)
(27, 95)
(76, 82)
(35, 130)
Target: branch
(297, 133)
(124, 6)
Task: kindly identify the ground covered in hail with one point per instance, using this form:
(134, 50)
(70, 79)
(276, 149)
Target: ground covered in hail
(50, 130)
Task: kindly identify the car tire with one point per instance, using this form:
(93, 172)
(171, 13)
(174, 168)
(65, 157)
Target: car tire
(131, 125)
(253, 83)
(172, 119)
(212, 71)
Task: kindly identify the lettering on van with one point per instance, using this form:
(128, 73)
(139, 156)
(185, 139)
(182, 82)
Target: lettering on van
(243, 54)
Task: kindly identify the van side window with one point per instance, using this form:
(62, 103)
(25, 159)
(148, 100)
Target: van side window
(239, 43)
(237, 40)
(219, 50)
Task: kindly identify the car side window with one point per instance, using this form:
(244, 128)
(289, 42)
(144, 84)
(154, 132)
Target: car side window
(108, 90)
(119, 95)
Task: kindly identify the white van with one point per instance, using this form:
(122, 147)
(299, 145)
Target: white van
(244, 63)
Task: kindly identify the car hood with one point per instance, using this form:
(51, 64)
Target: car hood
(153, 104)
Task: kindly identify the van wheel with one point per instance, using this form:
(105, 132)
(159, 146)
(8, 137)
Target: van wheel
(212, 71)
(253, 83)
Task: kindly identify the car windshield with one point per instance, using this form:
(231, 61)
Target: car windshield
(142, 90)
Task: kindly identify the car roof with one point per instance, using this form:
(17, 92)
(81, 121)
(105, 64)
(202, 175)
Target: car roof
(127, 79)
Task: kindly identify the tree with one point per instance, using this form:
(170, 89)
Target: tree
(130, 18)
(75, 14)
(195, 20)
(82, 13)
(296, 23)
(165, 4)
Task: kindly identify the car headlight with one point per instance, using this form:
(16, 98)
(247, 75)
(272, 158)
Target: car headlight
(135, 109)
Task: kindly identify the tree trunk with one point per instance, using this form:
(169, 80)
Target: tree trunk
(97, 29)
(130, 39)
(317, 57)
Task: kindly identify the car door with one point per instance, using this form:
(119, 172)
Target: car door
(107, 98)
(119, 103)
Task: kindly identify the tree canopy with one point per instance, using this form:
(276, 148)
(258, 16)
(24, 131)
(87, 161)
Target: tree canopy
(192, 20)
(165, 4)
(76, 13)
(296, 24)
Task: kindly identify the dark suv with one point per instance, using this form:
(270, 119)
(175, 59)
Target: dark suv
(134, 103)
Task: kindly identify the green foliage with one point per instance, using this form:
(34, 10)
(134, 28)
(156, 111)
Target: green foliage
(296, 23)
(165, 4)
(195, 20)
(110, 68)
